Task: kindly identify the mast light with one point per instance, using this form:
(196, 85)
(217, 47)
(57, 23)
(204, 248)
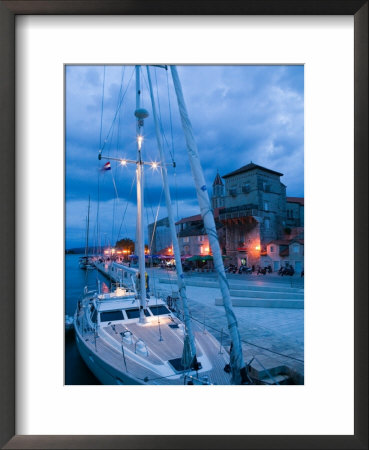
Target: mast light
(139, 141)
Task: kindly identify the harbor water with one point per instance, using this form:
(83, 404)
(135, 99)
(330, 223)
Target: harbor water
(76, 372)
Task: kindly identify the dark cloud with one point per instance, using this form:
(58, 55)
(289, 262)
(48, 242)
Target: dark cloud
(239, 114)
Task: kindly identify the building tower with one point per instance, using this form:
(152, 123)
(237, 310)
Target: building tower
(217, 199)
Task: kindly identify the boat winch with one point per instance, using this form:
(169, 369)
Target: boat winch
(141, 348)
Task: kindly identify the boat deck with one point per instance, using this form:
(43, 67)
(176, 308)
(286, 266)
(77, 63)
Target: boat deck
(105, 347)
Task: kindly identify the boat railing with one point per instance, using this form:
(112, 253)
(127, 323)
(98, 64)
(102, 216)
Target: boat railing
(122, 347)
(89, 290)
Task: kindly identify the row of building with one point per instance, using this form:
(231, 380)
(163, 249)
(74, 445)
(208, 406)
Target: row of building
(257, 223)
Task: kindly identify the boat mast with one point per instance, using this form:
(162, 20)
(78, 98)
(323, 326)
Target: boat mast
(140, 115)
(87, 227)
(176, 251)
(237, 362)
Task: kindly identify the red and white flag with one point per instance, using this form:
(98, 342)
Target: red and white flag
(106, 166)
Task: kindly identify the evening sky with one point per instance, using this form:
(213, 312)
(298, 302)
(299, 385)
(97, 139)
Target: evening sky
(238, 113)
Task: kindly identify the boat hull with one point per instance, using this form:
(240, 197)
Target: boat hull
(104, 372)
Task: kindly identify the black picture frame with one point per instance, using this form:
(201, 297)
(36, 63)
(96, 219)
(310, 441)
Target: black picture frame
(8, 12)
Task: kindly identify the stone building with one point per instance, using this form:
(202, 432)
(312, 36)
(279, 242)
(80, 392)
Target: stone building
(254, 212)
(256, 223)
(295, 212)
(159, 236)
(192, 237)
(217, 199)
(285, 252)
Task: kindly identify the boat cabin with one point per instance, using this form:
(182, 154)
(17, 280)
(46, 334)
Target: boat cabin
(122, 306)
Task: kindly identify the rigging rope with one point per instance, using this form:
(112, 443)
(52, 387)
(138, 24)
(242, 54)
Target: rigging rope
(98, 177)
(173, 149)
(249, 343)
(116, 154)
(155, 221)
(125, 210)
(102, 105)
(116, 113)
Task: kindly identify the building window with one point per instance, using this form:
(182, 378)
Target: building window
(200, 238)
(295, 248)
(267, 224)
(186, 239)
(266, 186)
(272, 249)
(246, 188)
(266, 206)
(201, 249)
(233, 192)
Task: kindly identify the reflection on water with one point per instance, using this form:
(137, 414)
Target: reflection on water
(76, 372)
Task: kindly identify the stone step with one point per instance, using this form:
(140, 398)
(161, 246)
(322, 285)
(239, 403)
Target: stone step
(280, 379)
(234, 286)
(263, 303)
(268, 288)
(269, 295)
(268, 370)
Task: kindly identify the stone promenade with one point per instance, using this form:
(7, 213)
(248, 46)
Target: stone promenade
(273, 336)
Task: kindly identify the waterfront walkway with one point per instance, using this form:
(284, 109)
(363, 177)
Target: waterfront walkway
(266, 333)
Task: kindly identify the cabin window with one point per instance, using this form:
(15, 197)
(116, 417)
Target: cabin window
(158, 310)
(110, 316)
(134, 313)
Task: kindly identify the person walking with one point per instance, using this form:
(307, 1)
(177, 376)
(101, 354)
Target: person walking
(147, 285)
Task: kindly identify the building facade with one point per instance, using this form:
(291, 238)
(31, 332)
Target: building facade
(192, 237)
(159, 236)
(254, 212)
(294, 212)
(284, 253)
(256, 223)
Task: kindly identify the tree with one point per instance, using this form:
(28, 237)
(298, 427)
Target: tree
(125, 244)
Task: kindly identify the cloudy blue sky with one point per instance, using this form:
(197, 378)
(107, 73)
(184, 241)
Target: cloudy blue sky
(239, 114)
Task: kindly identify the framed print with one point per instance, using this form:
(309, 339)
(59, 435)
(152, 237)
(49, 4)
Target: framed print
(46, 48)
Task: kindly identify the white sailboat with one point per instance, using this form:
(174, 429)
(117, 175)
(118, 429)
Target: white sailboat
(129, 337)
